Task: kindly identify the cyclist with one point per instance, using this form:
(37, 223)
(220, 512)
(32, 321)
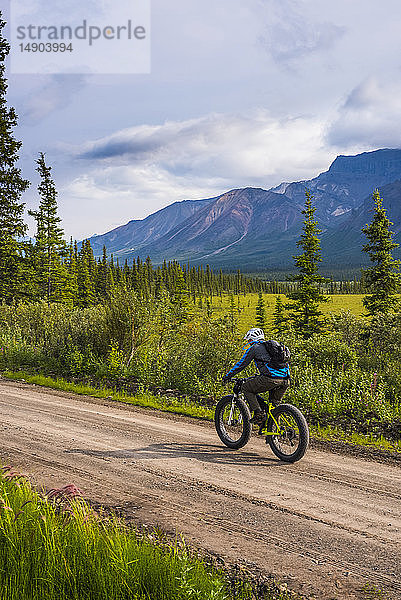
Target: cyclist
(274, 380)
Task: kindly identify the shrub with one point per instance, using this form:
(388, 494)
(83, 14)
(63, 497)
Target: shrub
(324, 351)
(57, 547)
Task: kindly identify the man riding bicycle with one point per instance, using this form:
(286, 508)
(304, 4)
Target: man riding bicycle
(275, 379)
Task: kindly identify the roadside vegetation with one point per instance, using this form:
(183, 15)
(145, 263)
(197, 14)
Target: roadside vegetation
(55, 546)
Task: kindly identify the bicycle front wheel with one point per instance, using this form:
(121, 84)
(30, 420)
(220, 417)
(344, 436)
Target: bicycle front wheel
(231, 419)
(289, 433)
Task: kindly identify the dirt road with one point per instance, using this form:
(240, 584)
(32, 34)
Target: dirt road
(326, 526)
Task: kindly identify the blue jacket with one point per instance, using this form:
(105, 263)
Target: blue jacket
(257, 352)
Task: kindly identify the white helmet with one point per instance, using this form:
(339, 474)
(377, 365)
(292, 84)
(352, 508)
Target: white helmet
(254, 335)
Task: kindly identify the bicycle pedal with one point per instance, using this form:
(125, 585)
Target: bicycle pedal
(262, 428)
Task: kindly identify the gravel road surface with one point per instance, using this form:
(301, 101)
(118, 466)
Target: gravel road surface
(326, 526)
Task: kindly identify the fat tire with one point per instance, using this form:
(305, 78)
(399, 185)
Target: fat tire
(303, 433)
(247, 427)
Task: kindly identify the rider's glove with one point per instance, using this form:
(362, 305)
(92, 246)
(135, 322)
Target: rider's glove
(226, 378)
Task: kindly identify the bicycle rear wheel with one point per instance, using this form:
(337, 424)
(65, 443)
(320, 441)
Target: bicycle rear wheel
(232, 422)
(290, 438)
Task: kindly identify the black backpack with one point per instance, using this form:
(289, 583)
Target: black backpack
(280, 355)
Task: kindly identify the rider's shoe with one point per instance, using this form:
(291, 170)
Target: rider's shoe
(258, 417)
(262, 428)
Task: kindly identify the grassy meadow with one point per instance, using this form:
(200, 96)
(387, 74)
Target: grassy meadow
(246, 306)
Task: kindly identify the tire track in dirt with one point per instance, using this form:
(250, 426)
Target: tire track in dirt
(317, 519)
(224, 492)
(311, 473)
(225, 524)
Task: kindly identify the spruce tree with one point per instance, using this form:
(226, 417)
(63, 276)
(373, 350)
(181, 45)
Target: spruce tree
(232, 315)
(50, 247)
(12, 186)
(261, 312)
(382, 279)
(85, 279)
(71, 264)
(304, 309)
(179, 296)
(102, 271)
(280, 320)
(159, 284)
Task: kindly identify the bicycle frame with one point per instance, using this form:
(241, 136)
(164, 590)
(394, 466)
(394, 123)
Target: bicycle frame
(285, 429)
(269, 407)
(270, 415)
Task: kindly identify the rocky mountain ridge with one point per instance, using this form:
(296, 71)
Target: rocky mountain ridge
(257, 229)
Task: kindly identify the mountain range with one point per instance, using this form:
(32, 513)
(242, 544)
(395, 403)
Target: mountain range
(256, 229)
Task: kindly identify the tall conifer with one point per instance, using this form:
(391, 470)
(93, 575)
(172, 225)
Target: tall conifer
(261, 312)
(382, 279)
(12, 186)
(304, 309)
(50, 247)
(280, 320)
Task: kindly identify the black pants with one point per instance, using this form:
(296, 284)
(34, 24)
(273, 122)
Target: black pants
(261, 383)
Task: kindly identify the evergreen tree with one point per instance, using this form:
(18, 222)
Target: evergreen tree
(179, 296)
(261, 312)
(280, 320)
(209, 309)
(232, 315)
(50, 247)
(72, 272)
(382, 279)
(86, 283)
(102, 272)
(304, 309)
(158, 284)
(12, 226)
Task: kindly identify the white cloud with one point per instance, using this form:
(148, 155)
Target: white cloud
(139, 170)
(229, 147)
(370, 117)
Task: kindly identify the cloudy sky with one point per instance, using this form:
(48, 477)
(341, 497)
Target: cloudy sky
(240, 93)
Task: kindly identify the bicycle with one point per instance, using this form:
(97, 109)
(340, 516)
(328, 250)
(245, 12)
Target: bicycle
(285, 427)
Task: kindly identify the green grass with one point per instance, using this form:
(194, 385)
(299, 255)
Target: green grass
(143, 399)
(335, 434)
(191, 409)
(247, 306)
(57, 547)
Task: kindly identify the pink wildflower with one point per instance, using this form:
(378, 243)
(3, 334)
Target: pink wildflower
(66, 492)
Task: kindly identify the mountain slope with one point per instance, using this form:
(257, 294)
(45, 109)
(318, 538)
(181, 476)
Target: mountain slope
(347, 183)
(234, 223)
(136, 233)
(257, 229)
(344, 245)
